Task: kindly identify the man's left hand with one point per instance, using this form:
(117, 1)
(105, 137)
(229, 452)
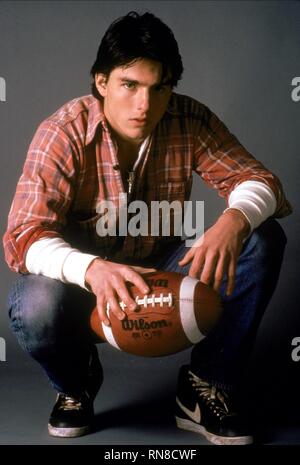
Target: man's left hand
(214, 255)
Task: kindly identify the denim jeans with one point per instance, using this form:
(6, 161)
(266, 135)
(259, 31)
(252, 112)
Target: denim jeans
(51, 319)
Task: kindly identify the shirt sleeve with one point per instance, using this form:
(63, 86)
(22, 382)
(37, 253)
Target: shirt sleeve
(255, 200)
(223, 163)
(56, 259)
(43, 195)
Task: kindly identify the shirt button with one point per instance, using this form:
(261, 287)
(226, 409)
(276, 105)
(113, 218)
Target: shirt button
(116, 167)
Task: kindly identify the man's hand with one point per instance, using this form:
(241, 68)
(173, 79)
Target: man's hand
(107, 281)
(215, 254)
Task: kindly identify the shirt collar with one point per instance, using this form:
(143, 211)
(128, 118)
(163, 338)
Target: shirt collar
(96, 116)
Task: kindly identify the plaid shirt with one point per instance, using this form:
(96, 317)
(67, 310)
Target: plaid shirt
(72, 166)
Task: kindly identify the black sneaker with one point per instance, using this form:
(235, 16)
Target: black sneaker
(71, 416)
(205, 409)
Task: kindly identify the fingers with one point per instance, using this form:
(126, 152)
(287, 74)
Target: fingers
(101, 307)
(220, 272)
(110, 304)
(212, 268)
(114, 291)
(126, 298)
(136, 279)
(209, 267)
(142, 270)
(231, 277)
(113, 306)
(197, 265)
(215, 255)
(188, 257)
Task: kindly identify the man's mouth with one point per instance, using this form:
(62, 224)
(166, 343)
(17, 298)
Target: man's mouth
(140, 121)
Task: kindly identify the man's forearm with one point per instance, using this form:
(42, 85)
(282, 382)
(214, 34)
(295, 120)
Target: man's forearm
(242, 225)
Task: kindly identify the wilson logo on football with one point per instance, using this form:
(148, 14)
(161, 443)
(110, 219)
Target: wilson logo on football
(141, 324)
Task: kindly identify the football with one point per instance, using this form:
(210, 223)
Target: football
(178, 312)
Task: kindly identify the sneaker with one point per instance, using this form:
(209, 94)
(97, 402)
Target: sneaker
(71, 416)
(205, 409)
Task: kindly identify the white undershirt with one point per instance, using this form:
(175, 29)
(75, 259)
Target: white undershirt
(255, 200)
(55, 258)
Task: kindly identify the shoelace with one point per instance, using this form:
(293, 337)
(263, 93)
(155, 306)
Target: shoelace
(70, 403)
(215, 398)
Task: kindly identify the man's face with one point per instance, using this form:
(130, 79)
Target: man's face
(134, 99)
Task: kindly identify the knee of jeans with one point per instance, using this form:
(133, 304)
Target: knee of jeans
(35, 311)
(268, 239)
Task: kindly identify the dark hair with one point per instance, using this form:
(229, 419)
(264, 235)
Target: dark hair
(133, 37)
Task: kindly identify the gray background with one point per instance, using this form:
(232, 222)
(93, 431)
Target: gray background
(239, 59)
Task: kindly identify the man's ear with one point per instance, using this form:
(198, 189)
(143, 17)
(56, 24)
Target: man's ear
(100, 83)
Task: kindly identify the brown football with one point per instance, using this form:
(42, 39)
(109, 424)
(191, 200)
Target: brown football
(178, 312)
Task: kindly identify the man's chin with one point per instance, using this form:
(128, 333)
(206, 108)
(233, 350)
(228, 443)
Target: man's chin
(138, 137)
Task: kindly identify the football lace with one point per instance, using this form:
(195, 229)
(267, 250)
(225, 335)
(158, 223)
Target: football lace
(149, 300)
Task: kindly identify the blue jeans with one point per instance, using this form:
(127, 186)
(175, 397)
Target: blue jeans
(51, 319)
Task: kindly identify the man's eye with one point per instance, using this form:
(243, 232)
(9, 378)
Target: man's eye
(129, 85)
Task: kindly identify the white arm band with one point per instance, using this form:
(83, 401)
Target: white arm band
(55, 258)
(255, 200)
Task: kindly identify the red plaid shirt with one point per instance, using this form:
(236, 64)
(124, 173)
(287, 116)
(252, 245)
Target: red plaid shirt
(72, 166)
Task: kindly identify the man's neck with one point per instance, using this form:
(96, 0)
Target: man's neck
(127, 147)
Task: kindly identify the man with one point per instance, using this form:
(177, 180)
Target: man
(135, 136)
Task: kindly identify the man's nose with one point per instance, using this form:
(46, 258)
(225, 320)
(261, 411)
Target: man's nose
(144, 100)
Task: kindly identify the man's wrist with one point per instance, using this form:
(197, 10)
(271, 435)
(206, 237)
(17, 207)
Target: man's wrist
(88, 270)
(242, 223)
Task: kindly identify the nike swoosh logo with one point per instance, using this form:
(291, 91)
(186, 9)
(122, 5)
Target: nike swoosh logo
(194, 415)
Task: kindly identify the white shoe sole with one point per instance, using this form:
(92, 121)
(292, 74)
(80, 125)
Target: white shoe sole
(68, 432)
(213, 438)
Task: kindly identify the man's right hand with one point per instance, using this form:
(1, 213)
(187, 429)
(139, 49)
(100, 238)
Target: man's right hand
(107, 280)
